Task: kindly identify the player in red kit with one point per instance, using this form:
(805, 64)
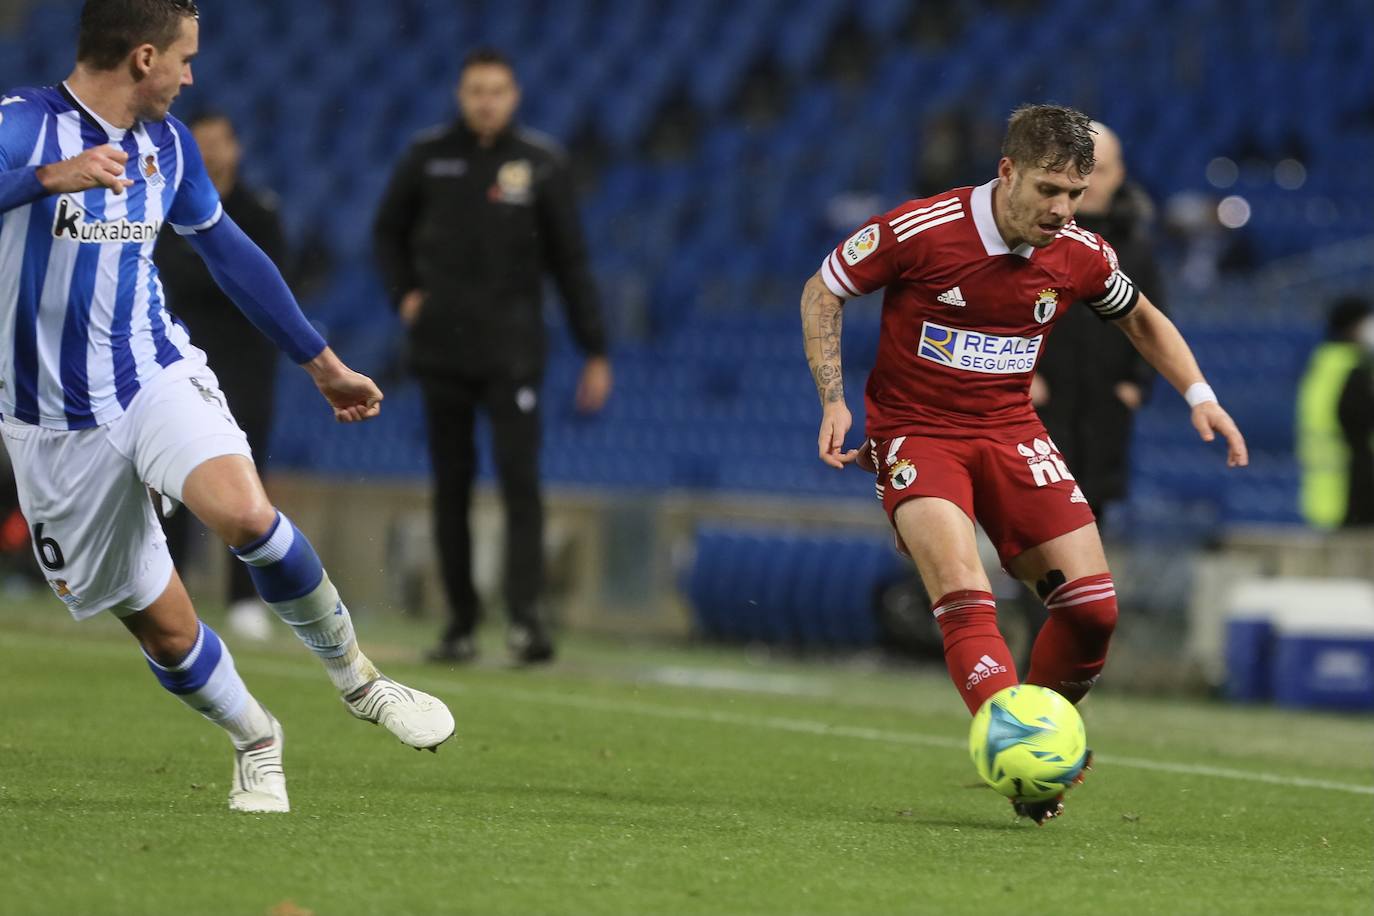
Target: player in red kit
(974, 282)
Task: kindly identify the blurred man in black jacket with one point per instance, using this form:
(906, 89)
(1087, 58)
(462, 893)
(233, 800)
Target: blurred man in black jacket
(475, 215)
(1091, 381)
(242, 357)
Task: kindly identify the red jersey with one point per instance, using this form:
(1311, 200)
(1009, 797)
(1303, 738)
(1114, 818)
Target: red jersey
(964, 316)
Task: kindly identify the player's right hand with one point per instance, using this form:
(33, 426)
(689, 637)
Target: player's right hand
(99, 166)
(835, 423)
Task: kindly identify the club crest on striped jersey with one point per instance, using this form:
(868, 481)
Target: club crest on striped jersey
(861, 244)
(150, 171)
(1046, 304)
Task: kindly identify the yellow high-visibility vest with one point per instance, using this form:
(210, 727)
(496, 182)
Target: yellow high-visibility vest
(1322, 451)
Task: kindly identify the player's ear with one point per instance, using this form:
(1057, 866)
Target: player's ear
(1005, 168)
(141, 60)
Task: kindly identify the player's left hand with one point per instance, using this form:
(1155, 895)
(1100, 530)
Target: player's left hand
(354, 396)
(1209, 419)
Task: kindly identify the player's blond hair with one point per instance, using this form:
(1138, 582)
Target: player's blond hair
(1051, 137)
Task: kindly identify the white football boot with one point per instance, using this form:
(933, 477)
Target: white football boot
(418, 719)
(259, 781)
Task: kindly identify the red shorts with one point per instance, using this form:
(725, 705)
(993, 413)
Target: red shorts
(1020, 492)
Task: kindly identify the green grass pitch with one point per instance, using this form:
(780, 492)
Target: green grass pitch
(649, 780)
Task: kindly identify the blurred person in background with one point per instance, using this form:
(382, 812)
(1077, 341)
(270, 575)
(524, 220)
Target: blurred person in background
(1088, 386)
(475, 215)
(244, 360)
(1336, 420)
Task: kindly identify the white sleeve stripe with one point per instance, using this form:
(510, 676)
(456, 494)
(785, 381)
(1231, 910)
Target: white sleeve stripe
(1072, 231)
(929, 224)
(925, 212)
(842, 274)
(192, 230)
(831, 282)
(935, 206)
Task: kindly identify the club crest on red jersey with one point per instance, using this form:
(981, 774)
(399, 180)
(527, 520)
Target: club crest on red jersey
(902, 474)
(1046, 304)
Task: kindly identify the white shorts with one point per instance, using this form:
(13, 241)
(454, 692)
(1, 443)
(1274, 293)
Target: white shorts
(85, 495)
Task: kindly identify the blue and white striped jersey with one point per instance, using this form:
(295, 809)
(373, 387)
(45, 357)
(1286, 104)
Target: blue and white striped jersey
(82, 319)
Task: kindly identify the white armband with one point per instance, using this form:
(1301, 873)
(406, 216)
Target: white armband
(1199, 393)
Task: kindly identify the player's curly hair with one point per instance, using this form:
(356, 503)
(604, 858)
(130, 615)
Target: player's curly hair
(110, 29)
(1052, 137)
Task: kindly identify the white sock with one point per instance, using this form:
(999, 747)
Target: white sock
(207, 681)
(324, 625)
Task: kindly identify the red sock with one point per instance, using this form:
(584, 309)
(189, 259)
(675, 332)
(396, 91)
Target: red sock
(1072, 646)
(975, 652)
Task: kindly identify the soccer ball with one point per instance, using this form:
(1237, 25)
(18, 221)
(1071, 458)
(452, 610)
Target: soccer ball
(1028, 743)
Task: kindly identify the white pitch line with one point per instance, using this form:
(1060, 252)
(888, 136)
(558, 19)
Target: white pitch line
(776, 723)
(811, 727)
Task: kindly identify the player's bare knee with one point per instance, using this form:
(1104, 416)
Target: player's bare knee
(956, 575)
(168, 647)
(247, 520)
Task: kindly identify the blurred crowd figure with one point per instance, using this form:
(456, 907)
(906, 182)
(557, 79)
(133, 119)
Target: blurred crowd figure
(1090, 380)
(241, 357)
(476, 214)
(1336, 421)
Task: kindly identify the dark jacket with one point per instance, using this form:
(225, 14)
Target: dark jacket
(476, 228)
(1085, 358)
(241, 356)
(1356, 414)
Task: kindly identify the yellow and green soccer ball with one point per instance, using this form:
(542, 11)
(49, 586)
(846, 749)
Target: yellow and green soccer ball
(1028, 742)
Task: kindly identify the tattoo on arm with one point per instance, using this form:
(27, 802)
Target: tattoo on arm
(822, 315)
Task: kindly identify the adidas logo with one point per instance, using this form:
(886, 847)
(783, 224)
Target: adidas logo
(985, 669)
(952, 297)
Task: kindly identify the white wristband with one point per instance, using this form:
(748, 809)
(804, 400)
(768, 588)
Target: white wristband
(1199, 393)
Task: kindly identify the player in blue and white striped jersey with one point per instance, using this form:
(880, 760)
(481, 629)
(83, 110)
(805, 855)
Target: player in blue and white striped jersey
(103, 394)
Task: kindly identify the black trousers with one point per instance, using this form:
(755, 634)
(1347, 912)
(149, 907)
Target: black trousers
(512, 408)
(251, 401)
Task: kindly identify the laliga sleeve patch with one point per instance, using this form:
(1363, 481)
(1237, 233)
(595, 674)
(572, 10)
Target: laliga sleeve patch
(862, 244)
(1110, 254)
